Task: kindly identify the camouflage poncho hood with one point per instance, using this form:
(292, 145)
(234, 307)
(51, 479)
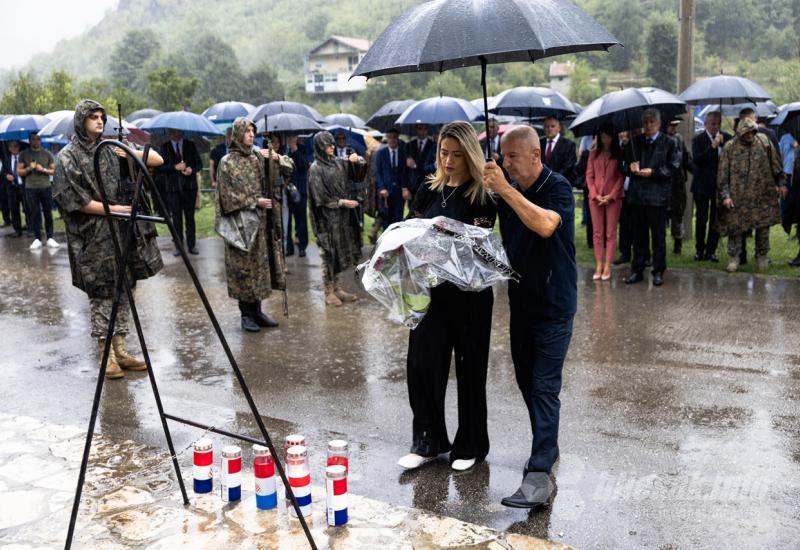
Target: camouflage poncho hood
(82, 112)
(238, 130)
(322, 141)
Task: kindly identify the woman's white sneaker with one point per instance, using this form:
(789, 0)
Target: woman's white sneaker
(36, 245)
(51, 242)
(412, 461)
(462, 464)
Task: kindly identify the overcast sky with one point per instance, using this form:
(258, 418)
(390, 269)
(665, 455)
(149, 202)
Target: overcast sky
(32, 26)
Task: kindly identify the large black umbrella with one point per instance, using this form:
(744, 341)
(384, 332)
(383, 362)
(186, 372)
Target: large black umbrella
(278, 107)
(384, 118)
(532, 102)
(623, 110)
(763, 109)
(287, 123)
(724, 90)
(448, 34)
(787, 113)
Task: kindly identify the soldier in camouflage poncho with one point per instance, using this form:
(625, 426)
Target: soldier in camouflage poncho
(89, 242)
(748, 193)
(239, 186)
(333, 213)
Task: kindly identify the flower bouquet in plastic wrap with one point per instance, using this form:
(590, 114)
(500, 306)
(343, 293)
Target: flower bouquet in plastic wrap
(415, 255)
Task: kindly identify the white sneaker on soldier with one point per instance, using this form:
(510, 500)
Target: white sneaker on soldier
(413, 461)
(51, 242)
(36, 245)
(463, 464)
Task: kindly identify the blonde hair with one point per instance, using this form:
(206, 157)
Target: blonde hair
(465, 135)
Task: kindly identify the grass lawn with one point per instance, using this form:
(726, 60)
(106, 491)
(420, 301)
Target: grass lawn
(782, 247)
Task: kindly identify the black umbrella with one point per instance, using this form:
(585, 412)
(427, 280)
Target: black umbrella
(724, 89)
(448, 34)
(786, 114)
(763, 109)
(384, 118)
(288, 123)
(623, 110)
(345, 119)
(532, 102)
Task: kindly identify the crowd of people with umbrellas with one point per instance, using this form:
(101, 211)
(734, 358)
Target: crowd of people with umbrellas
(630, 164)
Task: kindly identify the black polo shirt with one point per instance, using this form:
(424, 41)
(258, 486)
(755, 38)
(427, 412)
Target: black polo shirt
(548, 287)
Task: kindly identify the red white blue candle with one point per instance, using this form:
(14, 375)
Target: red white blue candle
(231, 474)
(299, 479)
(202, 464)
(264, 473)
(336, 494)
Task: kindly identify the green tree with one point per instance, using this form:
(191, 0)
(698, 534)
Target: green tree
(170, 91)
(622, 19)
(662, 51)
(214, 63)
(446, 84)
(261, 85)
(25, 95)
(59, 92)
(582, 89)
(130, 55)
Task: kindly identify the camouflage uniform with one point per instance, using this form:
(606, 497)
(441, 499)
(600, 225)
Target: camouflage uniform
(677, 203)
(239, 185)
(89, 243)
(338, 234)
(747, 175)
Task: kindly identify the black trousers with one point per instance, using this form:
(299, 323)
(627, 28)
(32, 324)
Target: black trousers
(538, 350)
(297, 214)
(181, 205)
(5, 202)
(40, 202)
(625, 231)
(705, 220)
(459, 322)
(649, 225)
(17, 204)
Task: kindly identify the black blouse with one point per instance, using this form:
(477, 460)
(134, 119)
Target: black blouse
(452, 203)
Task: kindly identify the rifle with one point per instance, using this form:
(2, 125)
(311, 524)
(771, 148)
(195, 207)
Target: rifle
(355, 189)
(275, 258)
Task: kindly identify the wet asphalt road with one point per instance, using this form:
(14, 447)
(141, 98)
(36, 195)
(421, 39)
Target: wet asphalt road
(680, 423)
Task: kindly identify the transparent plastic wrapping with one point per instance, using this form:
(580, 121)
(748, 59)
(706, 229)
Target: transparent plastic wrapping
(413, 256)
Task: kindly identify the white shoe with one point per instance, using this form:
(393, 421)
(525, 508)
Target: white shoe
(462, 464)
(36, 245)
(52, 243)
(412, 461)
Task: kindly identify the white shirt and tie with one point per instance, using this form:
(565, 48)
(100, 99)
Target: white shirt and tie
(393, 157)
(341, 152)
(712, 138)
(177, 147)
(551, 145)
(14, 160)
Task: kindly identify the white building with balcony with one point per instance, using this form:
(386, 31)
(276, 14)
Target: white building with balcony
(329, 66)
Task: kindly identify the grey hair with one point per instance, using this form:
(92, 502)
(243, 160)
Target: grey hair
(712, 113)
(524, 133)
(652, 113)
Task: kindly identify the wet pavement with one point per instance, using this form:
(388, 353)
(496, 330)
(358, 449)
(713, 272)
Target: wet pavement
(680, 424)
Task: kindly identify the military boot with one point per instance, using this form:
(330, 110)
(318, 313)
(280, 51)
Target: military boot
(763, 264)
(331, 299)
(112, 368)
(125, 359)
(262, 319)
(248, 323)
(343, 295)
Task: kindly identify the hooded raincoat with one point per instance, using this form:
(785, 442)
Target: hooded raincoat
(89, 242)
(240, 181)
(336, 228)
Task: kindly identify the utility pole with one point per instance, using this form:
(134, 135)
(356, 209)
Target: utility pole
(685, 79)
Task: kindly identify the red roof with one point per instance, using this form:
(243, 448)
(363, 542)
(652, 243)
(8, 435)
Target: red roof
(359, 44)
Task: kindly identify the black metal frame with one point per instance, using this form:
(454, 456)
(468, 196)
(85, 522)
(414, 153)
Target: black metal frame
(122, 254)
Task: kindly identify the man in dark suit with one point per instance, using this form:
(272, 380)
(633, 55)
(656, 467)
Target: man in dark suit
(391, 178)
(493, 131)
(558, 152)
(706, 149)
(181, 164)
(421, 158)
(5, 187)
(650, 161)
(15, 188)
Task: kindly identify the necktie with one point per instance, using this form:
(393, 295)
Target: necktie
(394, 159)
(178, 151)
(14, 169)
(548, 154)
(650, 141)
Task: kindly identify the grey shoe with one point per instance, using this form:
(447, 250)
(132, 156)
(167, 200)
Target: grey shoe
(534, 492)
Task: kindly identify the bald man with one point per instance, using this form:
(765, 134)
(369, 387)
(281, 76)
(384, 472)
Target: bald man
(536, 211)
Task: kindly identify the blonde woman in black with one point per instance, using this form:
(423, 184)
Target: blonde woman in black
(457, 321)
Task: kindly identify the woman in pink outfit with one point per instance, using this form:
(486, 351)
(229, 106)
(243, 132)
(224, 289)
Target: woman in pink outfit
(604, 181)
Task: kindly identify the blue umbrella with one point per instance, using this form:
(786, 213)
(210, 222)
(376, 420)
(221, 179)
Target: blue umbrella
(346, 119)
(385, 117)
(63, 123)
(227, 111)
(277, 107)
(15, 127)
(186, 122)
(439, 110)
(623, 110)
(355, 139)
(532, 102)
(724, 89)
(763, 109)
(143, 113)
(287, 123)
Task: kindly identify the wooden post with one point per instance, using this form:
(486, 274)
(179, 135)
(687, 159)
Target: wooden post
(685, 78)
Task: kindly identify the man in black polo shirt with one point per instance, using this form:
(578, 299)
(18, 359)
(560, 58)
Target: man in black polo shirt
(536, 213)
